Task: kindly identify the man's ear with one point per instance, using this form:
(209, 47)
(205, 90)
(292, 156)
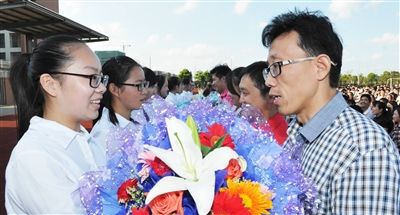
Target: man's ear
(323, 63)
(114, 90)
(49, 84)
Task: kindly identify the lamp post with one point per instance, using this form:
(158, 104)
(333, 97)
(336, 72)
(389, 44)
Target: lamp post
(125, 45)
(150, 61)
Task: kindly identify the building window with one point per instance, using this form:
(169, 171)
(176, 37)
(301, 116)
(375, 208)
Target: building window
(2, 41)
(2, 56)
(14, 40)
(14, 56)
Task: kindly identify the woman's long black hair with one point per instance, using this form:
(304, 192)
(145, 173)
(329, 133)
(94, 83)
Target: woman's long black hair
(50, 56)
(118, 70)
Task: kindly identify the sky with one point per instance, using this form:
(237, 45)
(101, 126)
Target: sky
(198, 35)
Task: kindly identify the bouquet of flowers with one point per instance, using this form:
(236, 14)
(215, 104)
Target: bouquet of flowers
(199, 158)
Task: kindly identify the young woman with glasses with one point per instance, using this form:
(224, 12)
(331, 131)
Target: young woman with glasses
(126, 92)
(55, 87)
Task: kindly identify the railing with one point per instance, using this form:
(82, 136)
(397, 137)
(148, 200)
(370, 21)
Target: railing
(5, 64)
(5, 88)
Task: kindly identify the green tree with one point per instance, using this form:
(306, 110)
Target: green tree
(384, 77)
(345, 79)
(202, 78)
(354, 79)
(394, 74)
(185, 73)
(372, 79)
(361, 80)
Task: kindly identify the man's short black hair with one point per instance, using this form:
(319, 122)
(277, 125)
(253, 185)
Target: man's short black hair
(254, 71)
(368, 96)
(220, 71)
(186, 81)
(173, 83)
(316, 36)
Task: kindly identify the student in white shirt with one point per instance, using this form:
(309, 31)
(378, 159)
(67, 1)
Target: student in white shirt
(365, 104)
(56, 87)
(141, 115)
(125, 92)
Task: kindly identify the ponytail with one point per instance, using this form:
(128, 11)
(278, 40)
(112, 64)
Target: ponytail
(27, 93)
(161, 78)
(118, 70)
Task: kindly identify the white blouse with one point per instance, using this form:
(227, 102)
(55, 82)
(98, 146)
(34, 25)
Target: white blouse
(42, 175)
(100, 131)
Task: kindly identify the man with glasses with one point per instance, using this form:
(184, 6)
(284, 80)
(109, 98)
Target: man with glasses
(353, 162)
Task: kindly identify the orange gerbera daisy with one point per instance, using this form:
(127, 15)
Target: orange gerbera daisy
(225, 204)
(253, 198)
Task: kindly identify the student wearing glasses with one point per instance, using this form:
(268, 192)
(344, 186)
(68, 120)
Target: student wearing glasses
(141, 115)
(55, 87)
(126, 92)
(352, 160)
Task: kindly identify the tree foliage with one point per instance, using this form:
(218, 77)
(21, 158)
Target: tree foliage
(372, 79)
(201, 78)
(185, 73)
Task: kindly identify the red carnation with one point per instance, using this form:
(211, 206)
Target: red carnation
(123, 194)
(217, 129)
(205, 139)
(215, 132)
(140, 211)
(159, 167)
(224, 203)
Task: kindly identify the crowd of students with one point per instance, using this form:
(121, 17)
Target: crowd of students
(379, 103)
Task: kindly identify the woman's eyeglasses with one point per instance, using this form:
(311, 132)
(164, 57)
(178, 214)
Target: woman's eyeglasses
(140, 86)
(94, 80)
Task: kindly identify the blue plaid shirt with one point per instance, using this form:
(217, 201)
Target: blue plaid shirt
(352, 160)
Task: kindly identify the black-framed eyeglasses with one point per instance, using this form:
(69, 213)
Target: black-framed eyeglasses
(94, 80)
(140, 86)
(276, 68)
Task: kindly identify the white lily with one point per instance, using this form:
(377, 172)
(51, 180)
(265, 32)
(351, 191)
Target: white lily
(197, 174)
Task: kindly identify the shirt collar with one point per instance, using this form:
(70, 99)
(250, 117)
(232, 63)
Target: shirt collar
(224, 93)
(65, 135)
(323, 118)
(122, 121)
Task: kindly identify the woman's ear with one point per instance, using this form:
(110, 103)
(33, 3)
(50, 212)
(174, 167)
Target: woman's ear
(49, 84)
(114, 90)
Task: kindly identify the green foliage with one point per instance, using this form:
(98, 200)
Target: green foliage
(346, 79)
(395, 74)
(384, 77)
(372, 79)
(201, 78)
(361, 79)
(184, 73)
